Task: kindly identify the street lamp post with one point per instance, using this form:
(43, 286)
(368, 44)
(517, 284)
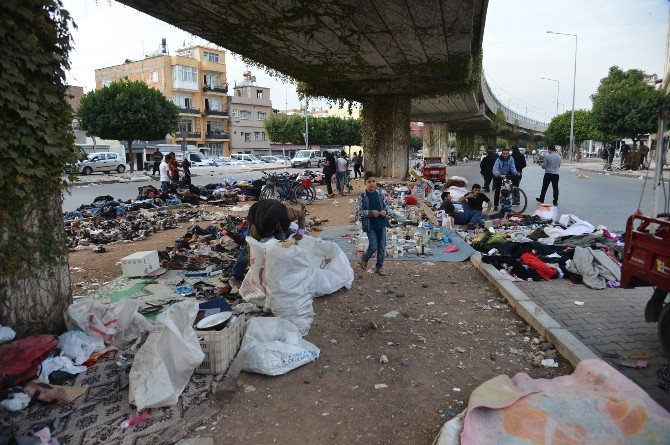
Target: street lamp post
(574, 81)
(558, 89)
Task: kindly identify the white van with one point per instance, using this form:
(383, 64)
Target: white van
(197, 159)
(246, 158)
(307, 158)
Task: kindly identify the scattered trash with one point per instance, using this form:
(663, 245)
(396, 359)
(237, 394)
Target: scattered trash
(135, 420)
(637, 364)
(549, 363)
(333, 341)
(638, 356)
(6, 334)
(78, 346)
(456, 389)
(430, 303)
(249, 388)
(45, 436)
(16, 401)
(461, 350)
(391, 314)
(579, 303)
(381, 385)
(48, 393)
(383, 359)
(404, 362)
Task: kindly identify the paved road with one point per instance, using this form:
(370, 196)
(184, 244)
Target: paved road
(85, 194)
(600, 199)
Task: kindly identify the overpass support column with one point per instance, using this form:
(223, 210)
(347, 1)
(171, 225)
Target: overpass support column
(385, 135)
(435, 139)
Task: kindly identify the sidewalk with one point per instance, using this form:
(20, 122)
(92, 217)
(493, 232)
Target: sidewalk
(592, 165)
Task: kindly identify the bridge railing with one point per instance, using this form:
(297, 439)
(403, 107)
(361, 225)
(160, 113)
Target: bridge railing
(510, 115)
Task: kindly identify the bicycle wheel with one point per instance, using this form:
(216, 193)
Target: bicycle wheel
(302, 195)
(519, 200)
(268, 192)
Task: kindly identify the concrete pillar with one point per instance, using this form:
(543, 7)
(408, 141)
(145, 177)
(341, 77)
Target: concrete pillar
(435, 138)
(385, 135)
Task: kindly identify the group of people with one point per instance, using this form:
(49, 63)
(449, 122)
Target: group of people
(339, 166)
(631, 158)
(169, 169)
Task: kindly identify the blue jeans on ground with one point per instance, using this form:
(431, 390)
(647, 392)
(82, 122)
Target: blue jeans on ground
(240, 267)
(377, 239)
(468, 217)
(165, 186)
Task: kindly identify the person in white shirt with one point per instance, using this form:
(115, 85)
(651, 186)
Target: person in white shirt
(165, 178)
(342, 172)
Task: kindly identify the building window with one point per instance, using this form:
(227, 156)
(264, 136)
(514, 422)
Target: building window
(185, 77)
(106, 81)
(244, 115)
(236, 113)
(186, 125)
(215, 149)
(215, 126)
(259, 94)
(247, 137)
(212, 80)
(261, 116)
(211, 57)
(257, 135)
(263, 137)
(182, 101)
(153, 77)
(238, 93)
(213, 104)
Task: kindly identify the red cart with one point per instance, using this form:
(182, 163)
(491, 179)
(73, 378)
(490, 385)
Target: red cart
(646, 261)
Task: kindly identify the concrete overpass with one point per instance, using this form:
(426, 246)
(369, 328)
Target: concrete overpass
(399, 58)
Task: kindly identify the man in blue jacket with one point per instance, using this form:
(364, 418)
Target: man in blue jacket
(504, 166)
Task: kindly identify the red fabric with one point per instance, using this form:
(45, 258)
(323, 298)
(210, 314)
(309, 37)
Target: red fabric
(20, 359)
(534, 262)
(411, 200)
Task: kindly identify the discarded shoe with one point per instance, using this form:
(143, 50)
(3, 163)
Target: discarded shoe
(99, 249)
(451, 248)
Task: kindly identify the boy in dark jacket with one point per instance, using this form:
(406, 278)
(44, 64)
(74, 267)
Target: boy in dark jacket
(486, 167)
(373, 210)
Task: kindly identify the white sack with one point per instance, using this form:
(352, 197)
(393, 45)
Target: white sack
(116, 323)
(333, 269)
(547, 213)
(78, 346)
(273, 346)
(164, 364)
(253, 286)
(60, 363)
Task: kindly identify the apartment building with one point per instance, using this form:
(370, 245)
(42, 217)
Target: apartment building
(249, 106)
(195, 80)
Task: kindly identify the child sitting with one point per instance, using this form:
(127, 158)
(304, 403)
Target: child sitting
(505, 205)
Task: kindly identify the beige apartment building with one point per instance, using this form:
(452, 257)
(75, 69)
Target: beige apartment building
(195, 80)
(249, 106)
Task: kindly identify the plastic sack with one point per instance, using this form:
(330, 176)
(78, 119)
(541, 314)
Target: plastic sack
(547, 212)
(164, 364)
(6, 334)
(290, 280)
(78, 346)
(333, 269)
(60, 363)
(273, 346)
(253, 286)
(116, 323)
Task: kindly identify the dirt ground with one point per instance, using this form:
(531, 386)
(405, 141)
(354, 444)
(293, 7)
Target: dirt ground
(453, 332)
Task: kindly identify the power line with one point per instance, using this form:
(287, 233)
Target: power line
(537, 109)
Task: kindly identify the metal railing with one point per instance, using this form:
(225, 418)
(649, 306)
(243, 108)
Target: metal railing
(191, 135)
(510, 115)
(189, 110)
(217, 136)
(216, 113)
(215, 88)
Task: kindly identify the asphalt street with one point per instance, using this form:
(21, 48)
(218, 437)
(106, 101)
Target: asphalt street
(599, 199)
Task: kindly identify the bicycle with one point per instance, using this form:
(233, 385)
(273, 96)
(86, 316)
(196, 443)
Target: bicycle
(283, 187)
(519, 198)
(344, 185)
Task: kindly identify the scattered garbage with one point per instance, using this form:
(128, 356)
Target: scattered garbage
(273, 346)
(118, 323)
(49, 393)
(6, 334)
(60, 363)
(579, 303)
(78, 346)
(549, 363)
(16, 401)
(164, 364)
(383, 359)
(20, 360)
(381, 386)
(135, 420)
(391, 314)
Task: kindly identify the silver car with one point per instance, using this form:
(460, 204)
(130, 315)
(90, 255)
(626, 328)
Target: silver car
(102, 162)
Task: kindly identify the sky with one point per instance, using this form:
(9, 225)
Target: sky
(518, 52)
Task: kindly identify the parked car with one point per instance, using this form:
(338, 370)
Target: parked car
(222, 161)
(246, 158)
(307, 158)
(198, 159)
(105, 162)
(269, 159)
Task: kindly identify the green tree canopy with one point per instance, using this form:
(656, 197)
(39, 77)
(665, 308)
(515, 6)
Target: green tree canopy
(558, 131)
(626, 105)
(127, 111)
(329, 130)
(415, 142)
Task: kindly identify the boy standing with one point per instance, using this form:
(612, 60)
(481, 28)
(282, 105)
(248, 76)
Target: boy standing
(165, 177)
(373, 211)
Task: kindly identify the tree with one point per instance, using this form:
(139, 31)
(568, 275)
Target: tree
(352, 133)
(36, 143)
(626, 105)
(276, 129)
(558, 130)
(127, 111)
(415, 142)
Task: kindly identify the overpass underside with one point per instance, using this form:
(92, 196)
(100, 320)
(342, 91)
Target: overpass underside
(383, 53)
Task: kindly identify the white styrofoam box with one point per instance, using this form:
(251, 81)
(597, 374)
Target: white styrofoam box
(140, 264)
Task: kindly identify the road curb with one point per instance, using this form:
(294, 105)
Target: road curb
(600, 172)
(567, 344)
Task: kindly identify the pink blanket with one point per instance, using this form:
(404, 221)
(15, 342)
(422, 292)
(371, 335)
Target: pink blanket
(594, 405)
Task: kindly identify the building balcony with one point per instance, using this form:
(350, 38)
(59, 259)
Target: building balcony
(216, 113)
(188, 135)
(223, 89)
(217, 135)
(183, 110)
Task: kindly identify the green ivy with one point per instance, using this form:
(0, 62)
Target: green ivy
(36, 141)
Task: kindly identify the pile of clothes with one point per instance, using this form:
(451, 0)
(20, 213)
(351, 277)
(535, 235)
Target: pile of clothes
(572, 249)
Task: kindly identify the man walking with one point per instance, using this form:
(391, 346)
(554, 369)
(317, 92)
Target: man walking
(551, 164)
(503, 167)
(625, 149)
(165, 176)
(357, 162)
(486, 167)
(158, 157)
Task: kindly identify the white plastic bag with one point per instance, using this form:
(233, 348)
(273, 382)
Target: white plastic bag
(6, 334)
(273, 346)
(290, 284)
(78, 346)
(164, 364)
(60, 363)
(547, 212)
(253, 287)
(333, 269)
(116, 323)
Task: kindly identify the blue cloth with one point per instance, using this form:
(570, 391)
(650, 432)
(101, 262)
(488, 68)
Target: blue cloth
(375, 204)
(240, 267)
(468, 217)
(72, 214)
(504, 167)
(377, 238)
(165, 186)
(506, 205)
